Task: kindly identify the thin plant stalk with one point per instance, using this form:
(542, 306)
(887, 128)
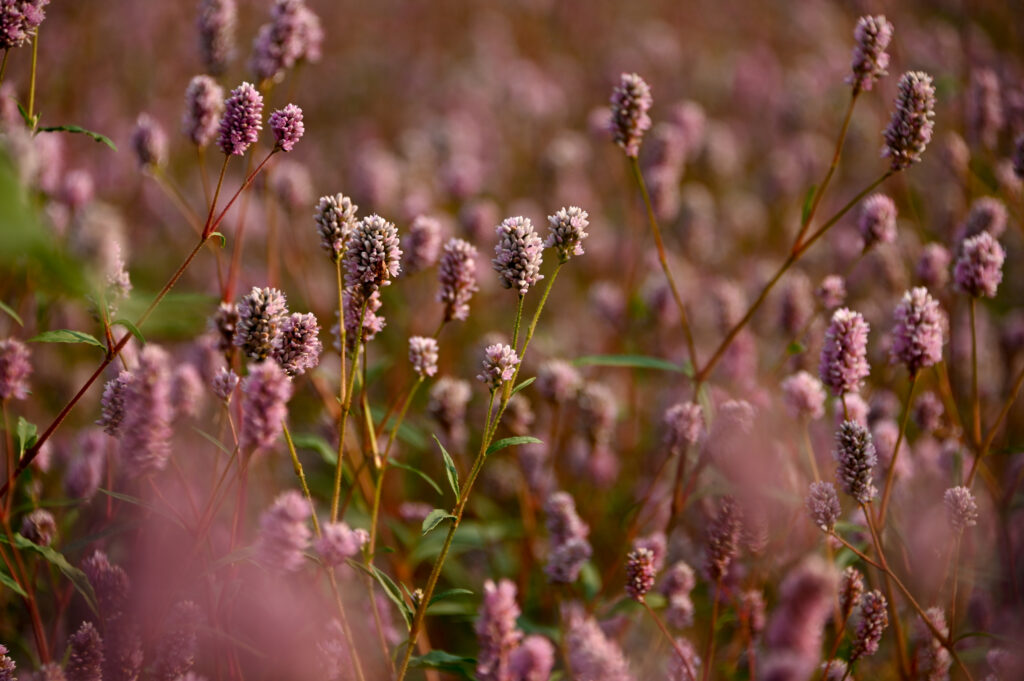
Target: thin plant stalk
(32, 80)
(990, 437)
(890, 476)
(835, 646)
(683, 658)
(811, 459)
(634, 165)
(345, 409)
(975, 399)
(897, 625)
(956, 577)
(709, 651)
(3, 64)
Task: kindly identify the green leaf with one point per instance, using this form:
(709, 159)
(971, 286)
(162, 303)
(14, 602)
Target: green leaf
(512, 442)
(394, 593)
(24, 115)
(439, 659)
(220, 445)
(9, 582)
(796, 348)
(79, 130)
(416, 471)
(27, 434)
(57, 559)
(316, 444)
(134, 329)
(9, 310)
(522, 385)
(136, 501)
(435, 518)
(67, 336)
(808, 201)
(223, 239)
(448, 593)
(631, 361)
(449, 468)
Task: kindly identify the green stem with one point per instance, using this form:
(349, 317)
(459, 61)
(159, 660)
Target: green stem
(683, 657)
(956, 576)
(1003, 413)
(890, 476)
(32, 80)
(975, 399)
(345, 409)
(3, 64)
(634, 165)
(810, 451)
(709, 654)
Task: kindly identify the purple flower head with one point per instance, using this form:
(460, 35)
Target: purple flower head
(297, 347)
(873, 621)
(631, 100)
(187, 390)
(933, 266)
(7, 665)
(640, 573)
(260, 315)
(851, 588)
(109, 582)
(423, 355)
(979, 269)
(928, 411)
(568, 536)
(985, 108)
(832, 291)
(178, 643)
(592, 655)
(804, 396)
(85, 469)
(987, 214)
(15, 368)
(224, 384)
(145, 430)
(265, 394)
(39, 527)
(286, 124)
(917, 336)
(422, 244)
(149, 142)
(283, 533)
(823, 505)
(292, 185)
(518, 254)
(78, 189)
(496, 630)
(456, 278)
(910, 129)
(657, 544)
(685, 661)
(242, 120)
(931, 660)
(294, 33)
(877, 221)
(373, 256)
(684, 425)
(216, 23)
(339, 542)
(961, 508)
(806, 596)
(204, 104)
(372, 322)
(844, 362)
(447, 405)
(676, 586)
(855, 458)
(335, 218)
(869, 56)
(499, 366)
(568, 230)
(723, 538)
(19, 20)
(223, 323)
(533, 660)
(85, 654)
(558, 381)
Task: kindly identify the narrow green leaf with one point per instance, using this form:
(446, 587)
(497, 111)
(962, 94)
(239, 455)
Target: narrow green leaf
(66, 336)
(27, 434)
(435, 518)
(448, 593)
(136, 501)
(512, 442)
(9, 582)
(394, 593)
(128, 324)
(439, 659)
(77, 129)
(223, 239)
(220, 445)
(416, 471)
(808, 200)
(24, 115)
(316, 444)
(630, 361)
(57, 559)
(522, 385)
(9, 310)
(795, 348)
(449, 468)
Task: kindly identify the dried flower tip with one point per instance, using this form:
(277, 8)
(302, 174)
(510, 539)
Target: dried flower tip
(640, 573)
(918, 333)
(804, 396)
(856, 459)
(286, 124)
(260, 315)
(335, 219)
(873, 621)
(631, 100)
(869, 56)
(844, 362)
(457, 278)
(216, 23)
(568, 230)
(265, 394)
(149, 142)
(15, 368)
(283, 533)
(423, 355)
(242, 121)
(979, 269)
(297, 345)
(422, 244)
(224, 384)
(877, 221)
(910, 129)
(499, 366)
(373, 256)
(339, 542)
(961, 508)
(723, 538)
(823, 505)
(518, 254)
